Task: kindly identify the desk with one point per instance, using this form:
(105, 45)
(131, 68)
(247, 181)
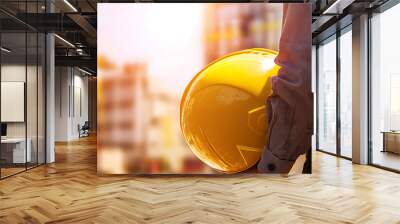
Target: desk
(13, 150)
(391, 141)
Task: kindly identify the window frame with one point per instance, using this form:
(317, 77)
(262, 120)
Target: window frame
(334, 37)
(380, 9)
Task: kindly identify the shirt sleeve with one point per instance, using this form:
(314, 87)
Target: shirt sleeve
(290, 107)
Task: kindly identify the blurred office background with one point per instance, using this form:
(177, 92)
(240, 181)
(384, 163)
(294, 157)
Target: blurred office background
(147, 55)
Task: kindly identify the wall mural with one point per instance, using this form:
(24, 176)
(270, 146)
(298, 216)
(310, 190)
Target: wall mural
(183, 88)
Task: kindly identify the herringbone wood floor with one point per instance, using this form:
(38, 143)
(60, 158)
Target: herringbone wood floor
(69, 191)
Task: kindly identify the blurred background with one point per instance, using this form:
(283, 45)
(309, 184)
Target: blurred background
(147, 54)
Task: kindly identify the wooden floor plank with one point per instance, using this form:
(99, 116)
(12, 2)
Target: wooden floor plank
(70, 191)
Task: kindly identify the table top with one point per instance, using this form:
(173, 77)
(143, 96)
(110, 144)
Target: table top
(391, 132)
(13, 140)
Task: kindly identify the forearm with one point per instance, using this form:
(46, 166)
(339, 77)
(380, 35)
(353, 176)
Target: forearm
(290, 106)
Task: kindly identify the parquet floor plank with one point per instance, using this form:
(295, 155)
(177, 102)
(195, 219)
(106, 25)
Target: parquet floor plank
(70, 191)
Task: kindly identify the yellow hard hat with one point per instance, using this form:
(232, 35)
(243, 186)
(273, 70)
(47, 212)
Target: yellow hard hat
(222, 112)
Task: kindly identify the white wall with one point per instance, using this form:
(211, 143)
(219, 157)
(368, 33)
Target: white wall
(33, 127)
(12, 73)
(81, 84)
(62, 81)
(71, 93)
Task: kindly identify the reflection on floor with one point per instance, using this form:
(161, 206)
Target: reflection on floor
(11, 169)
(387, 159)
(70, 191)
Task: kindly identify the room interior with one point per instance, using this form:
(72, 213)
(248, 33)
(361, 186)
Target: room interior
(22, 102)
(49, 121)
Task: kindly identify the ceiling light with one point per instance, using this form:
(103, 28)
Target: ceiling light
(79, 51)
(337, 7)
(84, 71)
(70, 5)
(5, 50)
(65, 41)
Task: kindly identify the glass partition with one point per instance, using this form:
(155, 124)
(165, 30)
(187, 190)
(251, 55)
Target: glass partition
(23, 90)
(34, 57)
(41, 87)
(14, 153)
(31, 97)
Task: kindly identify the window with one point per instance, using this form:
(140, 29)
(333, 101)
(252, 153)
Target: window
(346, 92)
(326, 94)
(385, 89)
(314, 90)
